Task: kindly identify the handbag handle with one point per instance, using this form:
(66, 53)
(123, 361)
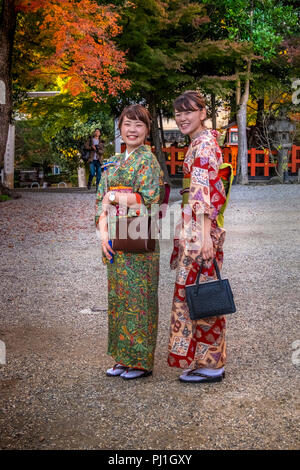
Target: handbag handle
(216, 269)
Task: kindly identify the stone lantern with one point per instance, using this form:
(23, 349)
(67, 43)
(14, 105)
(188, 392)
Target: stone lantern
(281, 131)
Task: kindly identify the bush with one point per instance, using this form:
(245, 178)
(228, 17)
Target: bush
(54, 179)
(4, 197)
(108, 151)
(74, 180)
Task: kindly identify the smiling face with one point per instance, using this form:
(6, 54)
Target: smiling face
(134, 133)
(190, 121)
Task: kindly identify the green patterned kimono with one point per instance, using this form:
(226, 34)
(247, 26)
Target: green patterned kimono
(133, 277)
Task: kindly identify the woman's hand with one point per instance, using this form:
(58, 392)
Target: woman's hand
(123, 199)
(106, 203)
(103, 228)
(207, 248)
(107, 249)
(105, 200)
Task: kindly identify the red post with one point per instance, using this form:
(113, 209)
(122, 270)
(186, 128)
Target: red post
(173, 161)
(294, 163)
(226, 154)
(252, 162)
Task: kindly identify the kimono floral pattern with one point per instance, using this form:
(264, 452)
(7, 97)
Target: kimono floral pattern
(133, 277)
(198, 343)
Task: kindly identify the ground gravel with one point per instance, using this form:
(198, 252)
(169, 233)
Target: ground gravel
(54, 393)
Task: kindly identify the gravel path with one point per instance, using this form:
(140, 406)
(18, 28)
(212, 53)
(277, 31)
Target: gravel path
(54, 393)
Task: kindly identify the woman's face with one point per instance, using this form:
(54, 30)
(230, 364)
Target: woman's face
(134, 132)
(190, 122)
(97, 134)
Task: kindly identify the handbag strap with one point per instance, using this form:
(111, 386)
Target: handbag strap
(216, 269)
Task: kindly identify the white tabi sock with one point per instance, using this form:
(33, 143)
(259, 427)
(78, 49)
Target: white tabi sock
(133, 373)
(210, 372)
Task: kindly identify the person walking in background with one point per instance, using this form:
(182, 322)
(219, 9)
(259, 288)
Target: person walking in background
(96, 148)
(136, 180)
(197, 345)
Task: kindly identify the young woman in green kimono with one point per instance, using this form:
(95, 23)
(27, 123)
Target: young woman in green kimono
(135, 177)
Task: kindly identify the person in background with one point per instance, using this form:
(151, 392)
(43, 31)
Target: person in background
(96, 148)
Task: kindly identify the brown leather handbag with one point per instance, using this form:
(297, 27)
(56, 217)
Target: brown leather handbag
(125, 241)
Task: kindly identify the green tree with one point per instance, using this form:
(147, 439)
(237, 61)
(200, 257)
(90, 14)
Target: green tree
(69, 140)
(74, 41)
(65, 123)
(158, 38)
(261, 26)
(31, 147)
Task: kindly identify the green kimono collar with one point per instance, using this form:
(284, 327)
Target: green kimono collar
(141, 148)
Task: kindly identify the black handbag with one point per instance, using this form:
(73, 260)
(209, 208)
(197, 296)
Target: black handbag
(209, 299)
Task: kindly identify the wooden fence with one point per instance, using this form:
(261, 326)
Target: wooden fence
(259, 161)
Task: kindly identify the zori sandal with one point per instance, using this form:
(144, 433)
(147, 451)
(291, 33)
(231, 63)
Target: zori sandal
(132, 373)
(195, 376)
(116, 370)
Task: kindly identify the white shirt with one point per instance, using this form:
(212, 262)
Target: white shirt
(128, 154)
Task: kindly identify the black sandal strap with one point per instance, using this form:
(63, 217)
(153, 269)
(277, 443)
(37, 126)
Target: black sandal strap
(198, 374)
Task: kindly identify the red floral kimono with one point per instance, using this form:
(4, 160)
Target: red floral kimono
(198, 343)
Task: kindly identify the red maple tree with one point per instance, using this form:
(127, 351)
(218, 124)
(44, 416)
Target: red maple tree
(81, 34)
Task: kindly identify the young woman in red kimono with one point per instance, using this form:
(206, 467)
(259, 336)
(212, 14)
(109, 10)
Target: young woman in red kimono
(197, 346)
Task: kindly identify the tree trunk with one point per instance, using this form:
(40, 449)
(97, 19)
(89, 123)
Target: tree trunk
(242, 165)
(238, 88)
(161, 128)
(7, 33)
(156, 137)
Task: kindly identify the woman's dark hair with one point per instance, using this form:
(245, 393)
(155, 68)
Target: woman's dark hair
(97, 129)
(136, 112)
(190, 100)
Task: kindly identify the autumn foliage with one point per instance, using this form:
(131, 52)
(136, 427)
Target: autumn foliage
(81, 36)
